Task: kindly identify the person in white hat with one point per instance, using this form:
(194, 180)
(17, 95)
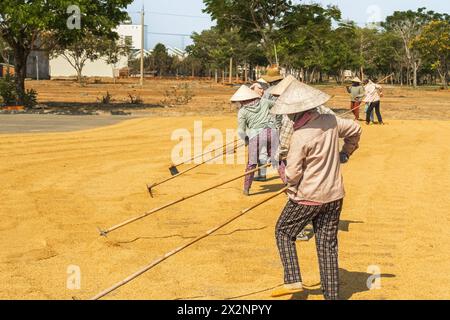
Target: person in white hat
(356, 94)
(315, 184)
(286, 131)
(287, 124)
(256, 128)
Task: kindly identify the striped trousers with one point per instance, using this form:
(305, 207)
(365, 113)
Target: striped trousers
(325, 219)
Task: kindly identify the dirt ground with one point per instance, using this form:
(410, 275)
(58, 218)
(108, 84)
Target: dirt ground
(58, 187)
(210, 98)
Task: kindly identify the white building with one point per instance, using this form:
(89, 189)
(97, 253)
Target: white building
(132, 32)
(61, 68)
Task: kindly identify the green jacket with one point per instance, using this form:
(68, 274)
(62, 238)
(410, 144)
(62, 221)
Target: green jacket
(255, 118)
(356, 92)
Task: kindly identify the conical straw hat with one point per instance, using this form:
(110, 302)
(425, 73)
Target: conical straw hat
(299, 97)
(261, 80)
(280, 88)
(243, 94)
(273, 74)
(356, 79)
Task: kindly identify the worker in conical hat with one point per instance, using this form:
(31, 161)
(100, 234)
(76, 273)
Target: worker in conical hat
(356, 93)
(287, 124)
(315, 184)
(273, 75)
(285, 134)
(257, 130)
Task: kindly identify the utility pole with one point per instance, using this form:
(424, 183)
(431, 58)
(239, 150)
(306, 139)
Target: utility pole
(276, 54)
(142, 46)
(37, 67)
(231, 70)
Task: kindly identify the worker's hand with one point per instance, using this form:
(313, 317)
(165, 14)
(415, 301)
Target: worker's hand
(343, 157)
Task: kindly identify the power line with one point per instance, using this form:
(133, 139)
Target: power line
(172, 14)
(170, 34)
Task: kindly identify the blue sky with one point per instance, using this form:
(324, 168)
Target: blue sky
(192, 19)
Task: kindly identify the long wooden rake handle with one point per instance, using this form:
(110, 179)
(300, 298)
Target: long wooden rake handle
(173, 252)
(150, 187)
(129, 221)
(201, 155)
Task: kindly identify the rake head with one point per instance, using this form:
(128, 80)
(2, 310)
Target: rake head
(173, 170)
(149, 188)
(102, 232)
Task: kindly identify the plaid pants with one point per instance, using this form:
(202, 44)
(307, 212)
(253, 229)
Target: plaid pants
(325, 219)
(256, 144)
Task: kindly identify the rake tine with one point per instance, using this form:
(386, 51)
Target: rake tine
(173, 170)
(103, 233)
(149, 189)
(189, 169)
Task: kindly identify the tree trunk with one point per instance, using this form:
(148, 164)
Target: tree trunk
(231, 71)
(20, 57)
(415, 74)
(79, 76)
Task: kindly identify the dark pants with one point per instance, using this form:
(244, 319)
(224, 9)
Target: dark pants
(374, 105)
(325, 218)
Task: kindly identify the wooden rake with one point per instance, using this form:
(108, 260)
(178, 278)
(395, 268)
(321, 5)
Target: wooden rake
(187, 245)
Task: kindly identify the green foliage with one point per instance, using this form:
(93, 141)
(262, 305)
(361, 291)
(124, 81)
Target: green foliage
(256, 20)
(29, 99)
(434, 45)
(8, 90)
(10, 96)
(313, 40)
(42, 24)
(215, 47)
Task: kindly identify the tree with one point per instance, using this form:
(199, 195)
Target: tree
(215, 47)
(305, 35)
(255, 20)
(161, 60)
(91, 48)
(434, 44)
(42, 24)
(4, 51)
(408, 26)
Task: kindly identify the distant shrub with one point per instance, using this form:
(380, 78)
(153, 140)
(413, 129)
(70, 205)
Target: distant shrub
(106, 99)
(178, 95)
(135, 99)
(30, 99)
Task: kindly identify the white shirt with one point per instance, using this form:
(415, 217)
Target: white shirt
(372, 92)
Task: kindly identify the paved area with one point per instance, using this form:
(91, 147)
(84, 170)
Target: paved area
(29, 123)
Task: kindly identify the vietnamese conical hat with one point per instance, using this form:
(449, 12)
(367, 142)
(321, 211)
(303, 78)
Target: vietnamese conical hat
(299, 97)
(261, 80)
(273, 74)
(280, 88)
(356, 79)
(244, 94)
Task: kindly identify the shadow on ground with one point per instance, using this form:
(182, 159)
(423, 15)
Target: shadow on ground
(351, 283)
